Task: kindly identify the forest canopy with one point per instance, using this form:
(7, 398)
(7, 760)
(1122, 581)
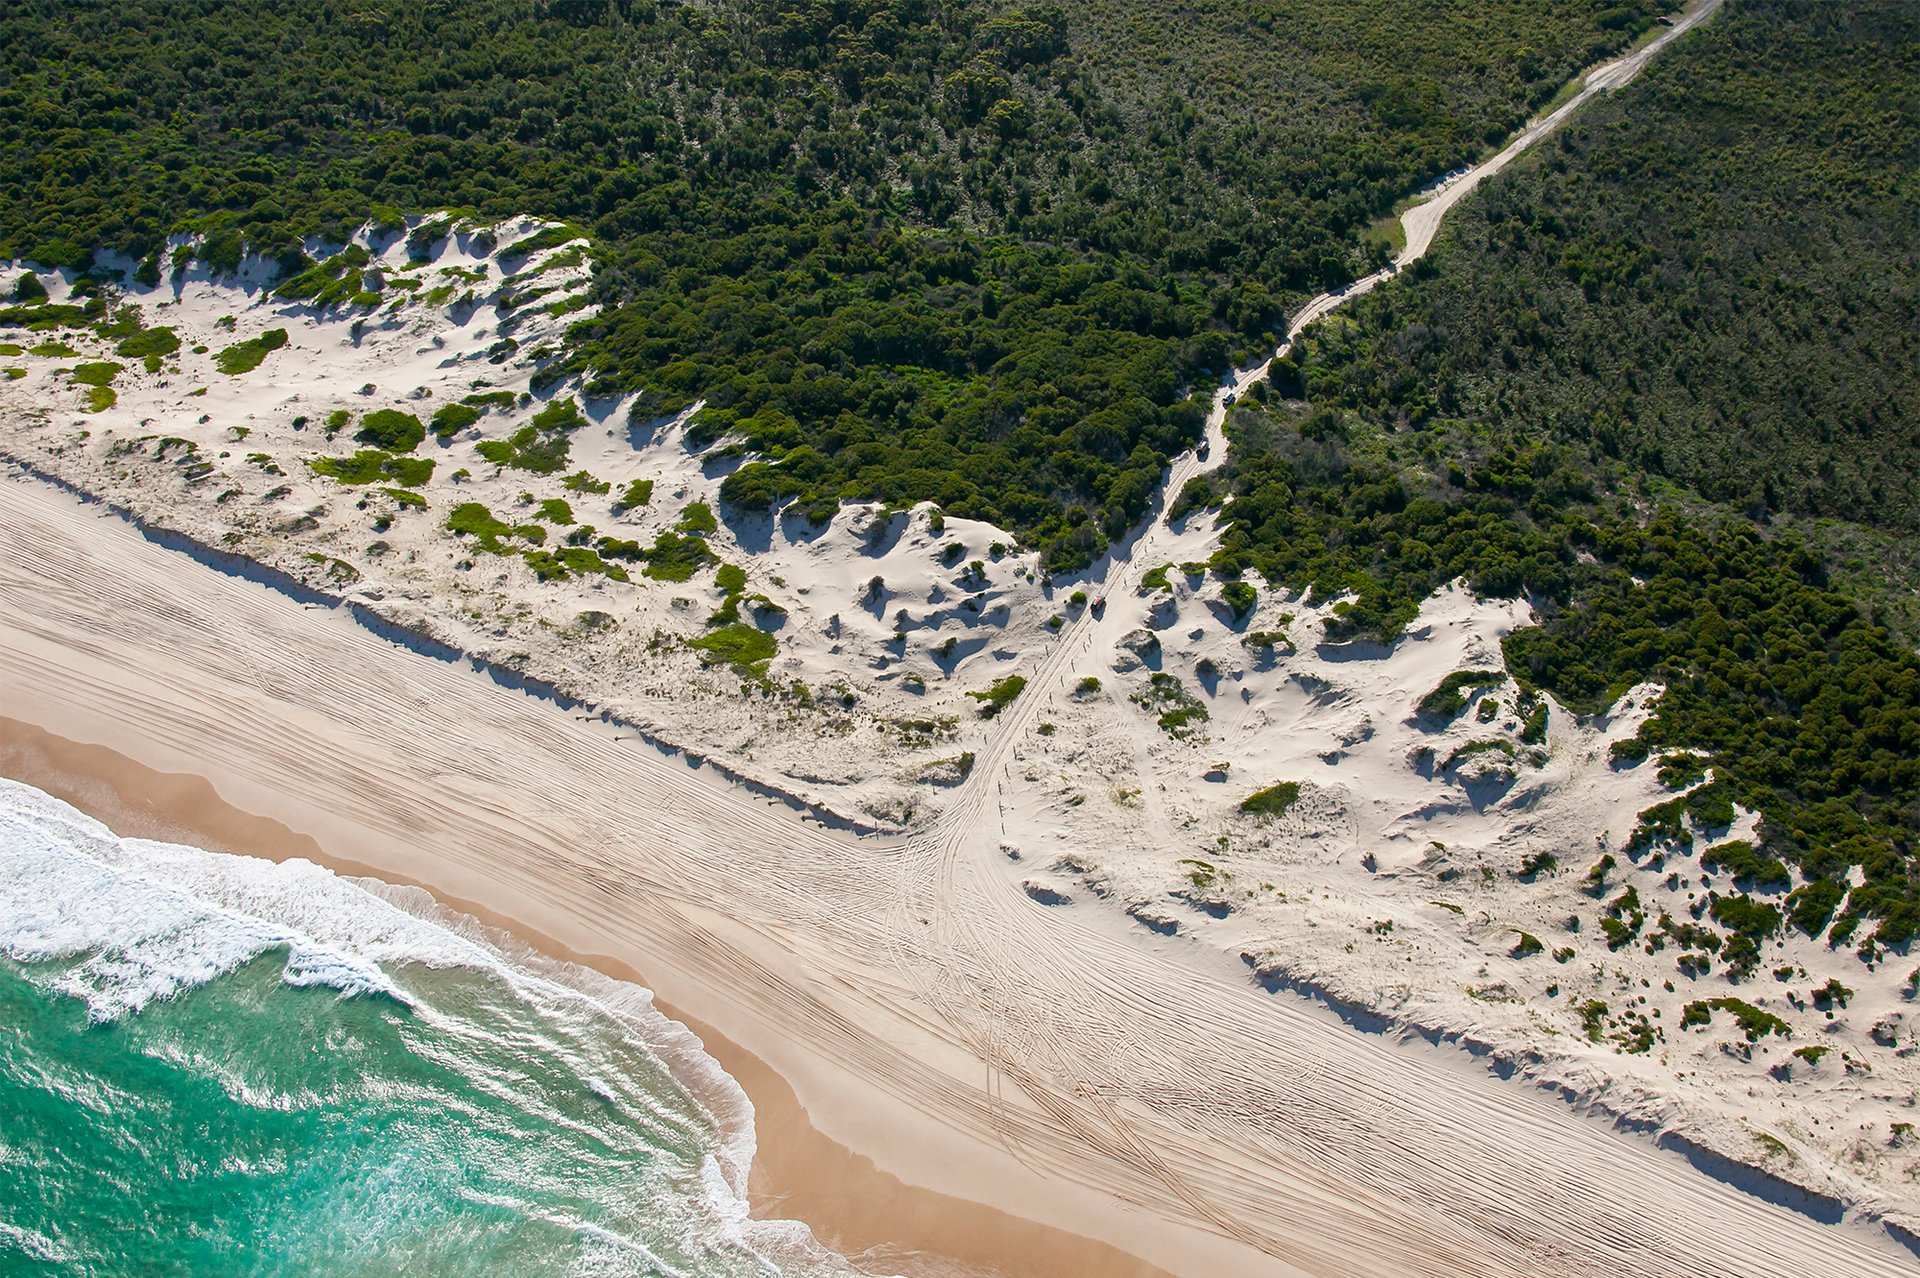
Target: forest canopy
(918, 249)
(1710, 279)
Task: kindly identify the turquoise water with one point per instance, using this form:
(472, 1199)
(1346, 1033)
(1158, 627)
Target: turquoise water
(215, 1065)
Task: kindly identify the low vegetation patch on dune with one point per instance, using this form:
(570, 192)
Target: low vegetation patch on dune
(244, 357)
(371, 465)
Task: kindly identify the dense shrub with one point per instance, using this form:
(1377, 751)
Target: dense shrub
(1449, 697)
(450, 419)
(392, 430)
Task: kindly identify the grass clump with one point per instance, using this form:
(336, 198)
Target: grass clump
(1533, 723)
(1750, 923)
(732, 581)
(698, 519)
(150, 345)
(329, 283)
(1832, 994)
(570, 561)
(673, 557)
(371, 465)
(1661, 823)
(1754, 1022)
(450, 419)
(637, 493)
(1486, 745)
(97, 380)
(1678, 771)
(555, 510)
(527, 449)
(999, 695)
(42, 319)
(583, 482)
(244, 357)
(1593, 1018)
(1272, 801)
(1178, 712)
(411, 501)
(1811, 908)
(743, 647)
(96, 373)
(1539, 863)
(541, 446)
(1449, 697)
(559, 417)
(1624, 918)
(339, 571)
(392, 430)
(545, 238)
(471, 519)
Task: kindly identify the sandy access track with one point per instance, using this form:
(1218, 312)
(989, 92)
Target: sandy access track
(989, 1049)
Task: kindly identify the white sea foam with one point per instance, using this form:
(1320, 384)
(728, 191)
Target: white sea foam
(120, 923)
(31, 1244)
(154, 919)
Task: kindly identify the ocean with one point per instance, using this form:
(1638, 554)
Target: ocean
(218, 1065)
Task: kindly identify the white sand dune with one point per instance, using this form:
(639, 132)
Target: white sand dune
(927, 1010)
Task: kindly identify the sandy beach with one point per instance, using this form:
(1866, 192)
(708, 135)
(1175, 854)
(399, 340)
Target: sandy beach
(1035, 1066)
(851, 1203)
(798, 1173)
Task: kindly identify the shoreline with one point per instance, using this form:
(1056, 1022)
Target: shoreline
(799, 1173)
